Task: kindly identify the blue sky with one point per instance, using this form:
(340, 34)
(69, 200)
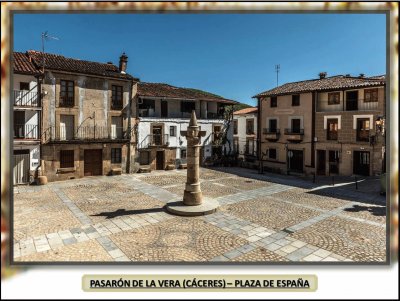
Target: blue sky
(232, 55)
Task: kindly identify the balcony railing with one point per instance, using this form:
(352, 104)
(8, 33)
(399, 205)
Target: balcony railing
(295, 135)
(271, 133)
(348, 105)
(67, 101)
(294, 131)
(174, 114)
(116, 105)
(84, 133)
(26, 131)
(211, 115)
(154, 141)
(249, 150)
(158, 140)
(26, 98)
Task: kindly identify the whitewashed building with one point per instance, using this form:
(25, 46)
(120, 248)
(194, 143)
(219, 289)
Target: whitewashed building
(26, 119)
(245, 133)
(164, 111)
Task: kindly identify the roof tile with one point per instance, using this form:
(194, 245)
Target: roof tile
(168, 91)
(62, 63)
(324, 84)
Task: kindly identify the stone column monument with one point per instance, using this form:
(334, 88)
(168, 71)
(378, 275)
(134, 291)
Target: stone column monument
(192, 194)
(193, 203)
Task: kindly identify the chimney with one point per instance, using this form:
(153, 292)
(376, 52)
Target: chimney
(362, 75)
(123, 62)
(322, 75)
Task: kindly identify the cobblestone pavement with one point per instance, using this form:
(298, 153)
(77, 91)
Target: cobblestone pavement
(262, 218)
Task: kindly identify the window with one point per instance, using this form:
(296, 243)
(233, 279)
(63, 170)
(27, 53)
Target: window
(249, 126)
(332, 129)
(274, 102)
(24, 86)
(249, 147)
(295, 100)
(296, 126)
(235, 127)
(116, 155)
(273, 126)
(183, 153)
(66, 93)
(334, 98)
(236, 145)
(187, 106)
(370, 95)
(217, 132)
(172, 131)
(363, 127)
(272, 153)
(66, 158)
(116, 98)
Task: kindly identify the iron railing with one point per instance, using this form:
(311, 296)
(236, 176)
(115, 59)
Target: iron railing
(347, 105)
(26, 98)
(116, 104)
(70, 133)
(67, 101)
(26, 131)
(267, 131)
(294, 131)
(154, 140)
(158, 139)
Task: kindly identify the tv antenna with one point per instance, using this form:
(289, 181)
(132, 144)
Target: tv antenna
(277, 69)
(46, 37)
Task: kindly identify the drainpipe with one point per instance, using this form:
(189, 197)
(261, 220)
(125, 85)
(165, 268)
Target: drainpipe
(259, 157)
(129, 129)
(39, 89)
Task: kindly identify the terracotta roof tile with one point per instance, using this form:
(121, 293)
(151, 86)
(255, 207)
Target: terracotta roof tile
(62, 63)
(23, 65)
(246, 111)
(168, 91)
(328, 83)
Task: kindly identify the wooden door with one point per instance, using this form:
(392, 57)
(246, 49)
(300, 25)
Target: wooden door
(93, 162)
(21, 168)
(361, 162)
(160, 160)
(321, 161)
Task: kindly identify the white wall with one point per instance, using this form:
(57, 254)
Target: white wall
(34, 154)
(181, 125)
(25, 78)
(241, 135)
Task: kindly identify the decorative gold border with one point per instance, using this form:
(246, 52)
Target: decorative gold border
(7, 8)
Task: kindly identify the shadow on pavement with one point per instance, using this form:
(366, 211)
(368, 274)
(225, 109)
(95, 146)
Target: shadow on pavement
(375, 210)
(122, 212)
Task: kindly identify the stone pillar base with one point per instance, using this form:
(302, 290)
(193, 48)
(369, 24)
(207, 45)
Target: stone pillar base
(192, 198)
(41, 180)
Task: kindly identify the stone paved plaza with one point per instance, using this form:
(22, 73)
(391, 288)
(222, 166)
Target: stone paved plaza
(263, 218)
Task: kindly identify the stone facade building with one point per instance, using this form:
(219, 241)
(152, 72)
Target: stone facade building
(245, 134)
(329, 125)
(87, 117)
(164, 111)
(26, 119)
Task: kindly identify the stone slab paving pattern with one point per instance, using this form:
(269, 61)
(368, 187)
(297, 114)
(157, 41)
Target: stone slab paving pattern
(263, 219)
